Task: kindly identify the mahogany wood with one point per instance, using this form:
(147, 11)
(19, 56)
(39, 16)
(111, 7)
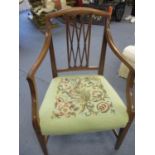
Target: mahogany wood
(77, 69)
(103, 49)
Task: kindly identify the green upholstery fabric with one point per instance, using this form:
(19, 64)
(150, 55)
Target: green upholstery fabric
(84, 103)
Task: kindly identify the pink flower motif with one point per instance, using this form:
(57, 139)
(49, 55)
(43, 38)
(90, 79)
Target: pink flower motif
(103, 107)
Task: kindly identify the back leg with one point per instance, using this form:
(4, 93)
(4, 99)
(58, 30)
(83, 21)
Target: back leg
(122, 134)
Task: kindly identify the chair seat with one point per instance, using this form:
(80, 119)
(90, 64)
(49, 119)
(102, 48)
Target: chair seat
(84, 103)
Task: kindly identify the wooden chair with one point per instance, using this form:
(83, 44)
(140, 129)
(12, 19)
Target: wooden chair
(82, 103)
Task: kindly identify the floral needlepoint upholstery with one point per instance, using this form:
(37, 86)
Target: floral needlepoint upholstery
(75, 104)
(81, 96)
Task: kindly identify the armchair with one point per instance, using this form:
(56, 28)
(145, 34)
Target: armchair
(81, 103)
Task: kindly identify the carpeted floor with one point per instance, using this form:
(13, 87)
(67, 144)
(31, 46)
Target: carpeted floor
(101, 143)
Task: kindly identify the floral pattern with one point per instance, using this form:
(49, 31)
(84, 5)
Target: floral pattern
(81, 96)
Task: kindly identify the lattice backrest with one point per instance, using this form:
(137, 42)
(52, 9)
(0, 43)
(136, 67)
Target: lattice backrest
(78, 23)
(79, 32)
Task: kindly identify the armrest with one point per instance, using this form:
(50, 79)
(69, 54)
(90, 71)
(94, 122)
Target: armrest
(31, 77)
(41, 56)
(131, 75)
(116, 51)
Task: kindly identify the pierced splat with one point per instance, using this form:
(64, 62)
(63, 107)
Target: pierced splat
(78, 40)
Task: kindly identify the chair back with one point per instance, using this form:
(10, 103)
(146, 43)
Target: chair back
(78, 32)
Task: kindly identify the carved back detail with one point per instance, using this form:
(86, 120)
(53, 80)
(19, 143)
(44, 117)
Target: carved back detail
(78, 23)
(78, 32)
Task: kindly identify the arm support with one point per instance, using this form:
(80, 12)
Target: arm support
(41, 56)
(31, 77)
(131, 76)
(116, 51)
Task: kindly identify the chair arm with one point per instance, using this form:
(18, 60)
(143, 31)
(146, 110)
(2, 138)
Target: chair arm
(129, 94)
(131, 75)
(116, 51)
(31, 77)
(41, 56)
(34, 98)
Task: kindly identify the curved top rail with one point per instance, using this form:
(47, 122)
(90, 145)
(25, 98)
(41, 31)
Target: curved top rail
(78, 10)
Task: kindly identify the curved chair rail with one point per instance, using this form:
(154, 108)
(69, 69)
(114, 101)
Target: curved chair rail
(79, 11)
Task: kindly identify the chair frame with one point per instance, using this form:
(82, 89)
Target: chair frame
(48, 45)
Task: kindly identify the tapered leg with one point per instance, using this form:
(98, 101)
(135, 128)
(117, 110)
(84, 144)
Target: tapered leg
(42, 141)
(121, 135)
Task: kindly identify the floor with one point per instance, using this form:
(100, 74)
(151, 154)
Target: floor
(101, 143)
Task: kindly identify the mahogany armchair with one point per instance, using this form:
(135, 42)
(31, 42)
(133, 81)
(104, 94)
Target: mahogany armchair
(81, 103)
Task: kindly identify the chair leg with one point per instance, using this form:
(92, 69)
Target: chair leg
(42, 141)
(41, 138)
(121, 135)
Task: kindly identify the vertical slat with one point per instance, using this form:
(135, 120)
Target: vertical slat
(90, 23)
(70, 34)
(103, 49)
(86, 36)
(67, 39)
(78, 35)
(52, 58)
